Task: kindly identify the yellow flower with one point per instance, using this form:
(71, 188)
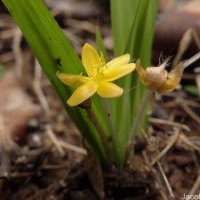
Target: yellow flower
(158, 79)
(100, 76)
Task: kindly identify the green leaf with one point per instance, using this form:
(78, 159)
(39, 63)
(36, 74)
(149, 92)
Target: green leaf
(122, 15)
(133, 28)
(2, 70)
(140, 45)
(100, 45)
(54, 52)
(192, 89)
(142, 31)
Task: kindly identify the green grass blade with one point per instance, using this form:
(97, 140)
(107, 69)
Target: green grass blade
(141, 35)
(54, 53)
(133, 28)
(140, 46)
(122, 15)
(100, 45)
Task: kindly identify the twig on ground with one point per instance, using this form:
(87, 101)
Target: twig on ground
(171, 141)
(170, 123)
(166, 180)
(187, 141)
(190, 112)
(38, 90)
(22, 174)
(196, 186)
(154, 171)
(17, 37)
(72, 147)
(54, 140)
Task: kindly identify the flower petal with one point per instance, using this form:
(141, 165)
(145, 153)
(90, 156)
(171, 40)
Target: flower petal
(173, 79)
(107, 89)
(72, 80)
(83, 93)
(141, 72)
(116, 62)
(91, 60)
(116, 73)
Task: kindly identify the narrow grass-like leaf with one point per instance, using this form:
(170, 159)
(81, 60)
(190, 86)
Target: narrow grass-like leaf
(100, 45)
(122, 15)
(140, 44)
(54, 53)
(192, 89)
(133, 27)
(2, 70)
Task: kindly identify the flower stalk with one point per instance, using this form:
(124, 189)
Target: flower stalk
(191, 60)
(136, 123)
(101, 133)
(112, 128)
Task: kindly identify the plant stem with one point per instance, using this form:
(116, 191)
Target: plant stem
(136, 122)
(101, 132)
(112, 128)
(191, 60)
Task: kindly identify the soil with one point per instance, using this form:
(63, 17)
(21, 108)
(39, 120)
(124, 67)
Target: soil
(41, 154)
